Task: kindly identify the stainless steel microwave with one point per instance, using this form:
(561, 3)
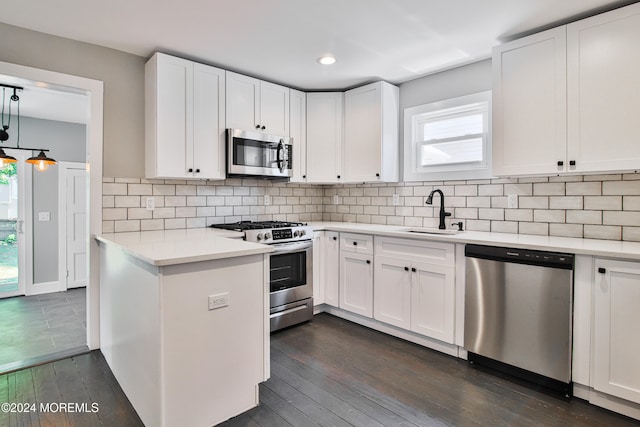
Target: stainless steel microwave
(255, 154)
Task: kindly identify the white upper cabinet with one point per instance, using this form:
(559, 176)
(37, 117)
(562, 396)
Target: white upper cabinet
(324, 137)
(298, 131)
(371, 135)
(529, 104)
(566, 100)
(254, 104)
(184, 119)
(604, 91)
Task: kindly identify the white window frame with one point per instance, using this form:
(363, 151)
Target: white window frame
(462, 105)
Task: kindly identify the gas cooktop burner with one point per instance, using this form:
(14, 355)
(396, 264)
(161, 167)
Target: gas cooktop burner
(258, 225)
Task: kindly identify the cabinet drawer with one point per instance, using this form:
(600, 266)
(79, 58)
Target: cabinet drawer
(437, 253)
(361, 243)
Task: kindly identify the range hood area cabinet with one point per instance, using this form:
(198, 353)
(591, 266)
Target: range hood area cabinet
(184, 119)
(565, 100)
(256, 105)
(353, 137)
(298, 133)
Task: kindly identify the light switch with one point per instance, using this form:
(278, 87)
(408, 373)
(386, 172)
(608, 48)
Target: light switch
(44, 216)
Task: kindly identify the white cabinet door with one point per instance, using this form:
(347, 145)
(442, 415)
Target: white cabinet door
(331, 268)
(243, 102)
(184, 119)
(274, 109)
(356, 283)
(298, 132)
(318, 288)
(392, 292)
(324, 137)
(604, 106)
(371, 133)
(529, 105)
(208, 123)
(616, 319)
(433, 301)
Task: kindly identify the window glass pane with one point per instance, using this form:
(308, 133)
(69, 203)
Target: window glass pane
(453, 127)
(461, 151)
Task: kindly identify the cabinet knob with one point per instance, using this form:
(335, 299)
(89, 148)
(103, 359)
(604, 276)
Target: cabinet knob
(560, 163)
(304, 176)
(406, 269)
(257, 126)
(263, 127)
(338, 176)
(368, 261)
(190, 170)
(335, 238)
(197, 170)
(602, 270)
(355, 243)
(572, 162)
(378, 175)
(413, 269)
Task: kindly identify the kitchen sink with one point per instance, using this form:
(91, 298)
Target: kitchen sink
(431, 231)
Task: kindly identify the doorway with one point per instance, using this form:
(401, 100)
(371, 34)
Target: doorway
(86, 305)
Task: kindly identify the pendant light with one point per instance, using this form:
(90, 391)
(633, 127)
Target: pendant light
(41, 162)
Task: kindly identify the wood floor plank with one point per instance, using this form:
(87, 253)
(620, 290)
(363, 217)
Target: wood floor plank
(47, 392)
(265, 417)
(25, 393)
(73, 390)
(281, 407)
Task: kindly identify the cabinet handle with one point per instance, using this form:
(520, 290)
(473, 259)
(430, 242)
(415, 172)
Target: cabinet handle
(406, 269)
(602, 270)
(263, 127)
(190, 170)
(257, 126)
(197, 170)
(335, 238)
(572, 162)
(368, 261)
(560, 163)
(413, 269)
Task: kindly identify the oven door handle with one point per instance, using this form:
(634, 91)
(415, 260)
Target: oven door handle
(287, 248)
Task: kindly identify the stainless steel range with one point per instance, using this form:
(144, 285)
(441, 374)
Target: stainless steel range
(291, 270)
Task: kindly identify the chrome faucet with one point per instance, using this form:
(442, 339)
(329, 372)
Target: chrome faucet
(443, 214)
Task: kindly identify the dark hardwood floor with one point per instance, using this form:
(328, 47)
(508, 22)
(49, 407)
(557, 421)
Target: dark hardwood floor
(328, 372)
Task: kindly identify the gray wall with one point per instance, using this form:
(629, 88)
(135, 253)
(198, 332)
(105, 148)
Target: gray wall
(123, 77)
(67, 142)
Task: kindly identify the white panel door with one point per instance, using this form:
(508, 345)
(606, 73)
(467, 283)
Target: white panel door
(174, 116)
(529, 105)
(392, 292)
(356, 283)
(331, 268)
(274, 109)
(324, 137)
(243, 101)
(208, 150)
(433, 301)
(604, 102)
(77, 235)
(362, 133)
(616, 320)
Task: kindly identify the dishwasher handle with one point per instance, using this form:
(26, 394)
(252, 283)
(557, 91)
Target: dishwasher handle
(521, 256)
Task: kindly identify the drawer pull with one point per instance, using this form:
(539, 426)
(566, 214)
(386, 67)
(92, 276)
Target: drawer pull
(602, 270)
(406, 269)
(413, 269)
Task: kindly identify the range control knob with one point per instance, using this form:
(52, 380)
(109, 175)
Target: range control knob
(296, 233)
(267, 236)
(302, 233)
(259, 236)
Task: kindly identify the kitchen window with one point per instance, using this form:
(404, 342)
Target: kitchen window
(449, 139)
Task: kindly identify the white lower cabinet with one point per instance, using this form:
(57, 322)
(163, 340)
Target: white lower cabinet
(329, 265)
(616, 339)
(356, 283)
(416, 296)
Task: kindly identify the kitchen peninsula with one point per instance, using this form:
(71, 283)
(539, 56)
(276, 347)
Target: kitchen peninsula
(184, 322)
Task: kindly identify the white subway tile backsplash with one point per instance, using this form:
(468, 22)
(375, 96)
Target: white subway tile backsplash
(164, 190)
(108, 226)
(139, 213)
(631, 234)
(504, 227)
(108, 202)
(621, 218)
(583, 188)
(524, 189)
(126, 225)
(491, 214)
(479, 202)
(537, 228)
(169, 212)
(565, 202)
(584, 217)
(140, 189)
(490, 190)
(170, 201)
(186, 190)
(466, 190)
(549, 189)
(175, 223)
(478, 225)
(548, 215)
(605, 203)
(518, 214)
(196, 201)
(186, 212)
(151, 224)
(566, 230)
(631, 203)
(621, 188)
(110, 214)
(605, 232)
(109, 189)
(535, 202)
(127, 201)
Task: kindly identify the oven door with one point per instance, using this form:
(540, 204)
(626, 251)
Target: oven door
(258, 154)
(291, 272)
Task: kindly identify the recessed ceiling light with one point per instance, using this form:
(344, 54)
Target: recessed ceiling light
(326, 60)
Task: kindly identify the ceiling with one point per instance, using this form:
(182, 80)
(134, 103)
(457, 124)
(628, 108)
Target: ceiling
(280, 40)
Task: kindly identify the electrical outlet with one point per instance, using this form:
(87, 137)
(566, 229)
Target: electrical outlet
(267, 200)
(396, 199)
(150, 203)
(336, 200)
(512, 201)
(44, 216)
(218, 301)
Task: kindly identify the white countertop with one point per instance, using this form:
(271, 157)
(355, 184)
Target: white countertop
(603, 248)
(169, 247)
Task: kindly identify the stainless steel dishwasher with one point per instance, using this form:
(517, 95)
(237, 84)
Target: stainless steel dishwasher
(518, 313)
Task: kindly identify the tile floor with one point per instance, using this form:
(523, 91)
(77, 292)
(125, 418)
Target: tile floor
(32, 327)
